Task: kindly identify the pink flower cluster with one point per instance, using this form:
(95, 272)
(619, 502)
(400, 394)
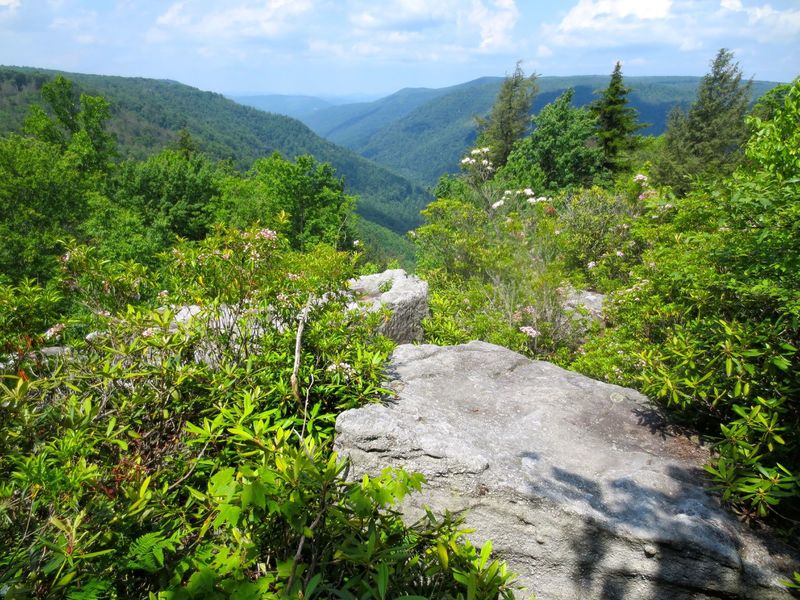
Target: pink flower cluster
(530, 332)
(267, 234)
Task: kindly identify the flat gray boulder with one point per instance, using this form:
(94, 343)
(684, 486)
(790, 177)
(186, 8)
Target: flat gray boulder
(579, 484)
(405, 296)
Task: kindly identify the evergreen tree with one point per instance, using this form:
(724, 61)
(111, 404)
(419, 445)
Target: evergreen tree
(708, 139)
(616, 122)
(509, 118)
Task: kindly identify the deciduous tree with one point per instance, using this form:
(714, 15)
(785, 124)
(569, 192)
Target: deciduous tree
(560, 152)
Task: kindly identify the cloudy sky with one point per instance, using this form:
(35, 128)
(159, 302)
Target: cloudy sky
(373, 47)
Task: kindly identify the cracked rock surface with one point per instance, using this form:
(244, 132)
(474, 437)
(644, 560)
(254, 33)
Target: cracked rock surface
(580, 485)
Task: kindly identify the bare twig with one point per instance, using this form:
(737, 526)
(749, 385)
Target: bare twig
(305, 408)
(191, 470)
(299, 553)
(298, 344)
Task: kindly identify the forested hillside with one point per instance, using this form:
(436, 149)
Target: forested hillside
(147, 115)
(421, 133)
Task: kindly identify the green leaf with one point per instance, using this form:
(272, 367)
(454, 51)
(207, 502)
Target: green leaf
(486, 551)
(312, 585)
(382, 579)
(228, 513)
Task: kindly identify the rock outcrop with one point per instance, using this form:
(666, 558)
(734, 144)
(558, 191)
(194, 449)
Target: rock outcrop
(591, 302)
(579, 484)
(405, 297)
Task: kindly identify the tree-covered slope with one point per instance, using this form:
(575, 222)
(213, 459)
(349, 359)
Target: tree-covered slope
(422, 133)
(355, 124)
(148, 113)
(431, 139)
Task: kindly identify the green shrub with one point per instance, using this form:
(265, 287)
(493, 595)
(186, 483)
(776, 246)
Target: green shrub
(170, 458)
(490, 256)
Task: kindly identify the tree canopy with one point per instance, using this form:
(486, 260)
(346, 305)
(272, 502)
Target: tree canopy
(560, 152)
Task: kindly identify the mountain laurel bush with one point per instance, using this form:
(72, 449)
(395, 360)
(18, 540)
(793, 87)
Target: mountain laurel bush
(166, 455)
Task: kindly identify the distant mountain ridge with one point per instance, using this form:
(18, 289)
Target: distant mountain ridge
(295, 106)
(148, 113)
(422, 133)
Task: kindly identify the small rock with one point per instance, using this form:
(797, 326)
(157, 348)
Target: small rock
(405, 296)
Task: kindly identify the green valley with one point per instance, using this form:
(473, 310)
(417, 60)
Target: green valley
(147, 114)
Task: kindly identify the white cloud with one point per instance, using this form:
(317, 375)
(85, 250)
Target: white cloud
(769, 22)
(496, 22)
(174, 17)
(12, 4)
(270, 18)
(731, 4)
(402, 14)
(441, 28)
(602, 15)
(681, 24)
(543, 51)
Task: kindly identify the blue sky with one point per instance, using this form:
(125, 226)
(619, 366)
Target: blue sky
(374, 47)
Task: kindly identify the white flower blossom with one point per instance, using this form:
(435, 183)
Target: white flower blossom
(497, 204)
(341, 367)
(54, 331)
(530, 332)
(267, 234)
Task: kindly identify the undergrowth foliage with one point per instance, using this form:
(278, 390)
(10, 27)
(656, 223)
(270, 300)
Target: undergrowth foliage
(709, 322)
(167, 455)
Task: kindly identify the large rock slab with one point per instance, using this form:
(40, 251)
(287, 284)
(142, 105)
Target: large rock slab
(579, 484)
(405, 296)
